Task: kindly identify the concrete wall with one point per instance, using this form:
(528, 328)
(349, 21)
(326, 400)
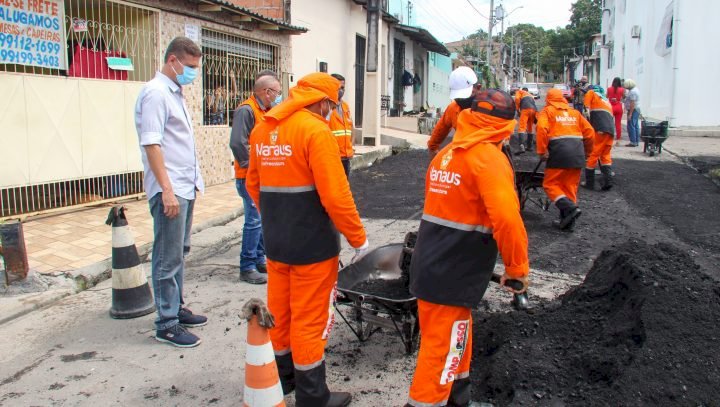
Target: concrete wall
(668, 83)
(439, 68)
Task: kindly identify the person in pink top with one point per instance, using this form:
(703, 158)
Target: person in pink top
(616, 94)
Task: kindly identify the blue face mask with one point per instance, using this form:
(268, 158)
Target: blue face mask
(186, 77)
(277, 100)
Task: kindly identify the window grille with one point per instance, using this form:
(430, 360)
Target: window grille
(230, 64)
(51, 196)
(99, 29)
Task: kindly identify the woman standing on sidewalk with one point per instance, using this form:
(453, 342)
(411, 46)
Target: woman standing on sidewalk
(632, 106)
(616, 94)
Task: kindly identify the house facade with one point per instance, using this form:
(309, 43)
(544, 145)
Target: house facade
(69, 136)
(663, 46)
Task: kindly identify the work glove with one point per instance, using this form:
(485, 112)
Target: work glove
(544, 157)
(523, 280)
(361, 251)
(256, 307)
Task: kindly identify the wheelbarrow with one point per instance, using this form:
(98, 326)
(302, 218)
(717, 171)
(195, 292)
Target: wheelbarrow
(367, 312)
(529, 187)
(653, 134)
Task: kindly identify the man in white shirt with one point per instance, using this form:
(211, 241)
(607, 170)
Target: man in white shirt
(172, 178)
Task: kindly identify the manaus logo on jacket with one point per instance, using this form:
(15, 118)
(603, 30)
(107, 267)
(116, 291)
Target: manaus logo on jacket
(444, 176)
(274, 149)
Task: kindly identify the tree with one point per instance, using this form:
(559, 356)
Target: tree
(585, 19)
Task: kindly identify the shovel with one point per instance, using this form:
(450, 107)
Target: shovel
(520, 301)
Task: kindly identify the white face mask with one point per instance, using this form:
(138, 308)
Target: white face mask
(329, 113)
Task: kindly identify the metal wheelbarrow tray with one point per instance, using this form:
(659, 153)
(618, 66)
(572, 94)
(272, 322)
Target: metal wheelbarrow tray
(365, 312)
(653, 134)
(531, 183)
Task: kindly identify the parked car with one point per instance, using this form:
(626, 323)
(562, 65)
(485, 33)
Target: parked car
(567, 94)
(533, 89)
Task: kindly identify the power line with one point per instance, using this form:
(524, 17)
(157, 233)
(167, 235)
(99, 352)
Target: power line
(477, 11)
(442, 20)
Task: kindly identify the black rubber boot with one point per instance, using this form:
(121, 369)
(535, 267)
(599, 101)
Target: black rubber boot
(310, 387)
(530, 141)
(339, 399)
(522, 139)
(286, 370)
(568, 213)
(589, 182)
(460, 393)
(607, 177)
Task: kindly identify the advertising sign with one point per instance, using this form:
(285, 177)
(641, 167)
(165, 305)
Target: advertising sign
(32, 33)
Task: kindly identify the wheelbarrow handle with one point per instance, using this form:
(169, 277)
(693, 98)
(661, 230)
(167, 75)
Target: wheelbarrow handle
(514, 284)
(537, 167)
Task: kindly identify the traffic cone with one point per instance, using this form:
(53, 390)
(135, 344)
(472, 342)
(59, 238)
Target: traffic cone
(262, 381)
(131, 295)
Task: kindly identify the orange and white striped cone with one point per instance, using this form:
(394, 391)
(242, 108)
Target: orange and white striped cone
(262, 381)
(131, 294)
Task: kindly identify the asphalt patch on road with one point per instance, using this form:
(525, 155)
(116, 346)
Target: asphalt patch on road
(640, 330)
(393, 188)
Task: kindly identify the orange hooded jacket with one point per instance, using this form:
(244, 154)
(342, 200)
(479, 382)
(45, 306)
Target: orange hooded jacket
(297, 180)
(471, 211)
(447, 122)
(563, 133)
(341, 127)
(601, 116)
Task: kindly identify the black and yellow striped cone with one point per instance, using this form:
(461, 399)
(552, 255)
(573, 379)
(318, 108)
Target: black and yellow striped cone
(131, 295)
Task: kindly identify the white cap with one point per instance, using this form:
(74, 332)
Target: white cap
(461, 82)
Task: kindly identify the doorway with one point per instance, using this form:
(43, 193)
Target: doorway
(399, 66)
(359, 78)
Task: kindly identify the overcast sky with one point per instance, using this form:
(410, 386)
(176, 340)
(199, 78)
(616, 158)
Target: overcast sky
(450, 20)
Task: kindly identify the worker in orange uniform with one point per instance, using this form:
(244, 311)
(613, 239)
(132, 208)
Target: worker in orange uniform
(341, 126)
(565, 140)
(603, 121)
(525, 104)
(471, 213)
(463, 87)
(266, 94)
(296, 178)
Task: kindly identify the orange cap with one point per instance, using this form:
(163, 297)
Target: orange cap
(555, 98)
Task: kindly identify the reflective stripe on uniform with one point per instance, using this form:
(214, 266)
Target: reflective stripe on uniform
(342, 132)
(310, 366)
(282, 352)
(457, 225)
(599, 110)
(416, 403)
(289, 190)
(463, 375)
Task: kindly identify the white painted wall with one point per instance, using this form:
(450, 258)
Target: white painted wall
(332, 27)
(669, 85)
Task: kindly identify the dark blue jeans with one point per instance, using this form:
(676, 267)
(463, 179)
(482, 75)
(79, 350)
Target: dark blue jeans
(633, 128)
(170, 245)
(252, 251)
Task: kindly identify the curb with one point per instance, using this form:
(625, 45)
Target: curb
(687, 162)
(367, 159)
(89, 276)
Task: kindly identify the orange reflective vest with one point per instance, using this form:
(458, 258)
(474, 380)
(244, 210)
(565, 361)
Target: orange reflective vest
(524, 100)
(565, 134)
(259, 113)
(341, 127)
(601, 116)
(471, 211)
(297, 180)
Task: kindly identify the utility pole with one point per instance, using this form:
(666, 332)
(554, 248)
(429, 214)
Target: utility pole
(512, 57)
(489, 40)
(410, 7)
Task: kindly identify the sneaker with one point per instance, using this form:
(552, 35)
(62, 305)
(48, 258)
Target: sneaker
(261, 268)
(190, 320)
(253, 277)
(178, 336)
(629, 145)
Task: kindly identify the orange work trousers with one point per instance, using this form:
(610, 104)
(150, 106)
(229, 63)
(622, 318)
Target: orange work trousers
(527, 119)
(601, 151)
(562, 183)
(301, 298)
(442, 373)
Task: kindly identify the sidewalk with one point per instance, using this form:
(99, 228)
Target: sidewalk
(73, 240)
